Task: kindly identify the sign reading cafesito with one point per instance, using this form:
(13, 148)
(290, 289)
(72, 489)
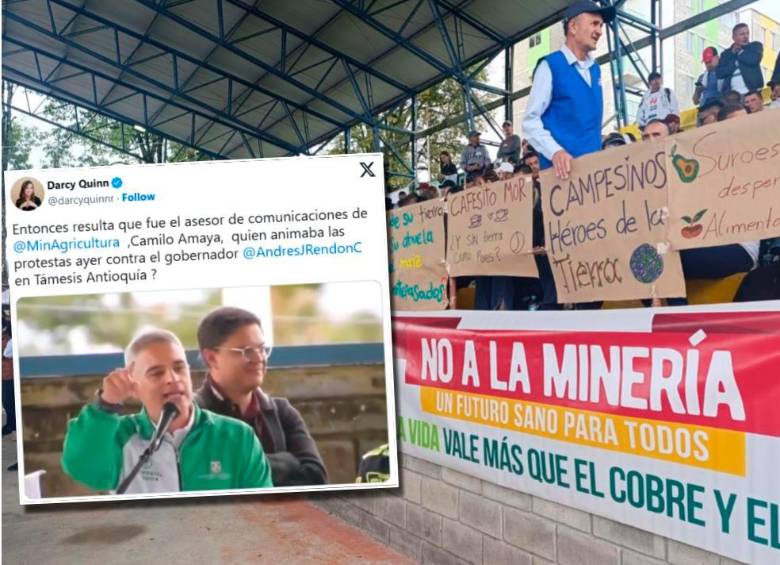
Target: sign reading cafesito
(489, 229)
(605, 227)
(418, 274)
(724, 182)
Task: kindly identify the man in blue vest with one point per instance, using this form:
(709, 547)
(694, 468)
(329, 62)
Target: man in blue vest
(565, 108)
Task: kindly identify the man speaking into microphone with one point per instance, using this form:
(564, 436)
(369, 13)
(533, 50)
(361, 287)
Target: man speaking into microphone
(198, 449)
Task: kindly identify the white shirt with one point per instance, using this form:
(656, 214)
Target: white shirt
(540, 98)
(177, 436)
(656, 106)
(752, 248)
(775, 104)
(737, 82)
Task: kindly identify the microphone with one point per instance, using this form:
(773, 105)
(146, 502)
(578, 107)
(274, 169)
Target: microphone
(168, 414)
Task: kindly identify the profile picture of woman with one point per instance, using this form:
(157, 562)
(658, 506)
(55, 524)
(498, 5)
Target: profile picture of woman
(28, 199)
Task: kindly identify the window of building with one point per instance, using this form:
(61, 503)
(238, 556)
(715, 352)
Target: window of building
(535, 40)
(759, 33)
(689, 42)
(687, 87)
(776, 41)
(729, 20)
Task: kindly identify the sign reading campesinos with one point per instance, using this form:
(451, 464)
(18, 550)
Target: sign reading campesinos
(666, 420)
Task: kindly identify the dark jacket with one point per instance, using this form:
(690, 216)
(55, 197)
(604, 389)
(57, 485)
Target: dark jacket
(290, 449)
(776, 74)
(749, 60)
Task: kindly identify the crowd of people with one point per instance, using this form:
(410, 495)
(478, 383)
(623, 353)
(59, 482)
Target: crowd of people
(563, 120)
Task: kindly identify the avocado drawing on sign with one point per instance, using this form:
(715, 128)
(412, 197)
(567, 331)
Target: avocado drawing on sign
(694, 228)
(687, 169)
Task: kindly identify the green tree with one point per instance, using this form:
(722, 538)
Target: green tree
(61, 318)
(18, 141)
(64, 148)
(434, 105)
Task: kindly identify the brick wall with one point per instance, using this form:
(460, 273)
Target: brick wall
(440, 516)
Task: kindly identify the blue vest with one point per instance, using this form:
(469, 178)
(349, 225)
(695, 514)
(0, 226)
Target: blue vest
(576, 110)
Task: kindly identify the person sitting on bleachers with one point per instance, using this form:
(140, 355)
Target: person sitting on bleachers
(708, 112)
(754, 102)
(475, 159)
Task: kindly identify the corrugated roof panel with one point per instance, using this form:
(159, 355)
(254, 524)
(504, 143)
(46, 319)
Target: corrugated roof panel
(321, 96)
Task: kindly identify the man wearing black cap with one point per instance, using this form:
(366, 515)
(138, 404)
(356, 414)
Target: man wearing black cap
(566, 105)
(657, 103)
(475, 158)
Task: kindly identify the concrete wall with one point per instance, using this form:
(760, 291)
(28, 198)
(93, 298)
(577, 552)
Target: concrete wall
(343, 407)
(441, 516)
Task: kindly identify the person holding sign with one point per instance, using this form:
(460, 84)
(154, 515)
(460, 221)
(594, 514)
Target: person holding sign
(195, 450)
(565, 108)
(566, 105)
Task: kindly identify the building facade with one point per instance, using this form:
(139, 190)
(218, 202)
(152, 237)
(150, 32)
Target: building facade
(682, 62)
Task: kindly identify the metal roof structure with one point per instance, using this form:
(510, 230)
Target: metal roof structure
(245, 79)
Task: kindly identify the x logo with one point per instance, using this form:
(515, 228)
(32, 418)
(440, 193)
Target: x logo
(367, 169)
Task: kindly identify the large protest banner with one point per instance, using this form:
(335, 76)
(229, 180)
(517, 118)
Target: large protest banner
(724, 182)
(666, 421)
(418, 273)
(605, 227)
(489, 229)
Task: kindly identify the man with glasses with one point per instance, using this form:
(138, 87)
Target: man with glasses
(200, 451)
(233, 347)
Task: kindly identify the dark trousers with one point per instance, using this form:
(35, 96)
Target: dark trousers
(495, 293)
(712, 263)
(9, 405)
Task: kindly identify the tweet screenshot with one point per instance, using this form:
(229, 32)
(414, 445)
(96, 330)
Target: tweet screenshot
(201, 329)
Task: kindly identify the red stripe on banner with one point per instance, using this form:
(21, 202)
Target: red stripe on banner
(718, 322)
(723, 380)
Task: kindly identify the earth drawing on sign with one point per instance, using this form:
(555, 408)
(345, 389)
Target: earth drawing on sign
(646, 264)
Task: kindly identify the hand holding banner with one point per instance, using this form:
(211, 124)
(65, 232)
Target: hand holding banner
(605, 227)
(418, 274)
(490, 229)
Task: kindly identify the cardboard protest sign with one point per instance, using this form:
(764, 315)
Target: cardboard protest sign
(724, 182)
(605, 227)
(489, 229)
(418, 274)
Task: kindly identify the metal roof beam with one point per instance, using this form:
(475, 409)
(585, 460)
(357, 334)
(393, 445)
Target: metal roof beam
(68, 97)
(175, 53)
(473, 22)
(390, 34)
(206, 34)
(280, 143)
(75, 130)
(252, 9)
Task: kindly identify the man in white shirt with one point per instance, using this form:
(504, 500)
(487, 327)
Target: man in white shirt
(739, 66)
(565, 108)
(657, 103)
